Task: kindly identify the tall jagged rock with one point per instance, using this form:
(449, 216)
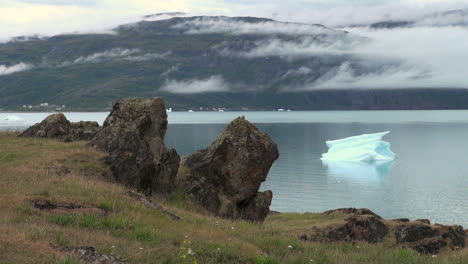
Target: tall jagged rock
(225, 177)
(57, 126)
(133, 136)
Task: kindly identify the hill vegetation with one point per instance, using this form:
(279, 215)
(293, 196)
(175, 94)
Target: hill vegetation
(116, 224)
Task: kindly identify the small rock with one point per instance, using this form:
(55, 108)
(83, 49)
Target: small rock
(400, 220)
(425, 221)
(90, 255)
(362, 211)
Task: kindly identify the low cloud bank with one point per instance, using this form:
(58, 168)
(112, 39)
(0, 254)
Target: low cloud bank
(405, 58)
(105, 55)
(116, 54)
(134, 55)
(5, 70)
(417, 57)
(223, 25)
(211, 84)
(299, 48)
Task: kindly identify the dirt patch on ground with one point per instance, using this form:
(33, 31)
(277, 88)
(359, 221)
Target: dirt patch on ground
(66, 208)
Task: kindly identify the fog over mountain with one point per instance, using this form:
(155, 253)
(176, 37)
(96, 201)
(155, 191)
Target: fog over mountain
(261, 63)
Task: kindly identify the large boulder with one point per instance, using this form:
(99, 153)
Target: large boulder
(225, 177)
(133, 136)
(57, 126)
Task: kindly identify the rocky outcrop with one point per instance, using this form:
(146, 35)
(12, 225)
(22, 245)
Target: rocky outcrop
(411, 232)
(365, 225)
(133, 136)
(225, 177)
(454, 235)
(57, 126)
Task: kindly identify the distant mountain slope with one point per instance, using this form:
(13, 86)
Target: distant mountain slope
(204, 62)
(458, 17)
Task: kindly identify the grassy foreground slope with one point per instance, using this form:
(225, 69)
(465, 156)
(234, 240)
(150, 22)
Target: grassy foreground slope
(30, 169)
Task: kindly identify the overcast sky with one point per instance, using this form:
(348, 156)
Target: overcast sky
(48, 17)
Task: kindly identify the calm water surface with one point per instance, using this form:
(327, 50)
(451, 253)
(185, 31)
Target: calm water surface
(428, 179)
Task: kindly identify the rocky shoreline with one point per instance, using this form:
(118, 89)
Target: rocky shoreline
(225, 177)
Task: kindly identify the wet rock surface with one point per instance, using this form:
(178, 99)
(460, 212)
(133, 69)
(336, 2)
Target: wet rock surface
(225, 177)
(91, 256)
(133, 136)
(58, 127)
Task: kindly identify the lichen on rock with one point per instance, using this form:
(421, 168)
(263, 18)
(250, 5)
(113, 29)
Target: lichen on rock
(133, 137)
(225, 177)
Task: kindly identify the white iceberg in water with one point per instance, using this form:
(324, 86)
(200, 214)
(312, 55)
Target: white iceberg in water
(13, 118)
(359, 171)
(367, 148)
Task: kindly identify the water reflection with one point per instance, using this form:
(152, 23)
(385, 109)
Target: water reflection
(360, 171)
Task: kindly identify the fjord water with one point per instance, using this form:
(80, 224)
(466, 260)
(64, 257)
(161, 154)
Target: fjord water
(427, 179)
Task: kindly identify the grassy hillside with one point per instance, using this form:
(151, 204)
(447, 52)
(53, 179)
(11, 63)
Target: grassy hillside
(47, 169)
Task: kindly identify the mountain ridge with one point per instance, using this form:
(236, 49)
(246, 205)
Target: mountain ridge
(207, 62)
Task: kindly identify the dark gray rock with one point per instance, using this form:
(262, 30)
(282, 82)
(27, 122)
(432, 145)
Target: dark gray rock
(454, 235)
(58, 127)
(225, 177)
(431, 245)
(367, 228)
(133, 136)
(411, 232)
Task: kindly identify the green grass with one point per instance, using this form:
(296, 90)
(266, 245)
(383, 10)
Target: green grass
(140, 234)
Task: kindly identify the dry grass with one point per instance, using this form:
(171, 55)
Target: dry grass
(28, 170)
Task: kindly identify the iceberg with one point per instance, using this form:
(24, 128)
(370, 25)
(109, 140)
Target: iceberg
(13, 118)
(359, 171)
(368, 148)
